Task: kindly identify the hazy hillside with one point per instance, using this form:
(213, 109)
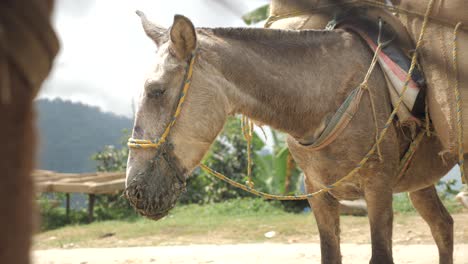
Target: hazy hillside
(71, 132)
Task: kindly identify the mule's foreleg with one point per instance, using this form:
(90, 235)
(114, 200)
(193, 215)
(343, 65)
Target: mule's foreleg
(427, 203)
(327, 215)
(378, 196)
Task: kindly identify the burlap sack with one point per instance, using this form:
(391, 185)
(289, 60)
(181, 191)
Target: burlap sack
(436, 59)
(315, 14)
(297, 14)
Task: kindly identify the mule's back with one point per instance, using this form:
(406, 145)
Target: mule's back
(435, 56)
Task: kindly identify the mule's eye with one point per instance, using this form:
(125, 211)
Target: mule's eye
(155, 93)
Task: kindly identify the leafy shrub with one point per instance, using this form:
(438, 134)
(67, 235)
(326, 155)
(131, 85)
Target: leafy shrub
(257, 15)
(111, 158)
(53, 214)
(228, 155)
(113, 207)
(233, 207)
(402, 203)
(448, 188)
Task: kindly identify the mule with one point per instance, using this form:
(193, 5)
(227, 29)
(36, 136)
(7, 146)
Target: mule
(292, 81)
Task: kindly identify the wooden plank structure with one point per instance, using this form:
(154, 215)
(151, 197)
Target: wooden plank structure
(88, 183)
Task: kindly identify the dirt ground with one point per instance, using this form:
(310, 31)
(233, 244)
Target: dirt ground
(160, 242)
(241, 253)
(409, 229)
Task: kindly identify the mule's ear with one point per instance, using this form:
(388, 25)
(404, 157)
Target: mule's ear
(183, 37)
(155, 32)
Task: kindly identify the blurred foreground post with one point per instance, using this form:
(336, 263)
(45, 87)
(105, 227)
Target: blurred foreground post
(28, 46)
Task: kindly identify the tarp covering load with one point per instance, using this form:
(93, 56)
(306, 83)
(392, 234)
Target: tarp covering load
(435, 55)
(395, 64)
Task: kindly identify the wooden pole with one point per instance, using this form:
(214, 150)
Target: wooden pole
(92, 198)
(67, 195)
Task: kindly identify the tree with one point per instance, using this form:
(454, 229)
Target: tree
(257, 15)
(111, 158)
(227, 155)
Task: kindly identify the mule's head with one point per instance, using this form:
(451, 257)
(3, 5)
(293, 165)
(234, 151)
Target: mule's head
(156, 177)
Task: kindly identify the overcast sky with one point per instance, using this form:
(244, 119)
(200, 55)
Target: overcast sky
(105, 54)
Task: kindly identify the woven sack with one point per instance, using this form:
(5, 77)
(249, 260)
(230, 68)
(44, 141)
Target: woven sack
(437, 63)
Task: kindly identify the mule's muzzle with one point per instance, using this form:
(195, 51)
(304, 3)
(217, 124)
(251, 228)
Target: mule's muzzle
(155, 190)
(151, 203)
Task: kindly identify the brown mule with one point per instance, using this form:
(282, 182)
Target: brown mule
(293, 81)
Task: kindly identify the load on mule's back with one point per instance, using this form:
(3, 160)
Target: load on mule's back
(435, 56)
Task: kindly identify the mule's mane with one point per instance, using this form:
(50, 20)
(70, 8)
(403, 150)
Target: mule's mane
(268, 35)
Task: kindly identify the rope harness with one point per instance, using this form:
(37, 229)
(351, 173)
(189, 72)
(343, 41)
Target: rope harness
(247, 125)
(459, 106)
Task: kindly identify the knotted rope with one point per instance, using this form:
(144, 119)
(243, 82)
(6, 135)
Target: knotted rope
(365, 85)
(459, 106)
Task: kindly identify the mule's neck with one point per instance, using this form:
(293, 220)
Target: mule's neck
(290, 80)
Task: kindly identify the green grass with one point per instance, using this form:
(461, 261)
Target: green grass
(234, 221)
(245, 218)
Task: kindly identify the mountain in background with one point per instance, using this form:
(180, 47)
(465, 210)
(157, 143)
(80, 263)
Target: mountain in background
(70, 133)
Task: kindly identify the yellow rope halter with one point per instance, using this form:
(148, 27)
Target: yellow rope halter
(147, 144)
